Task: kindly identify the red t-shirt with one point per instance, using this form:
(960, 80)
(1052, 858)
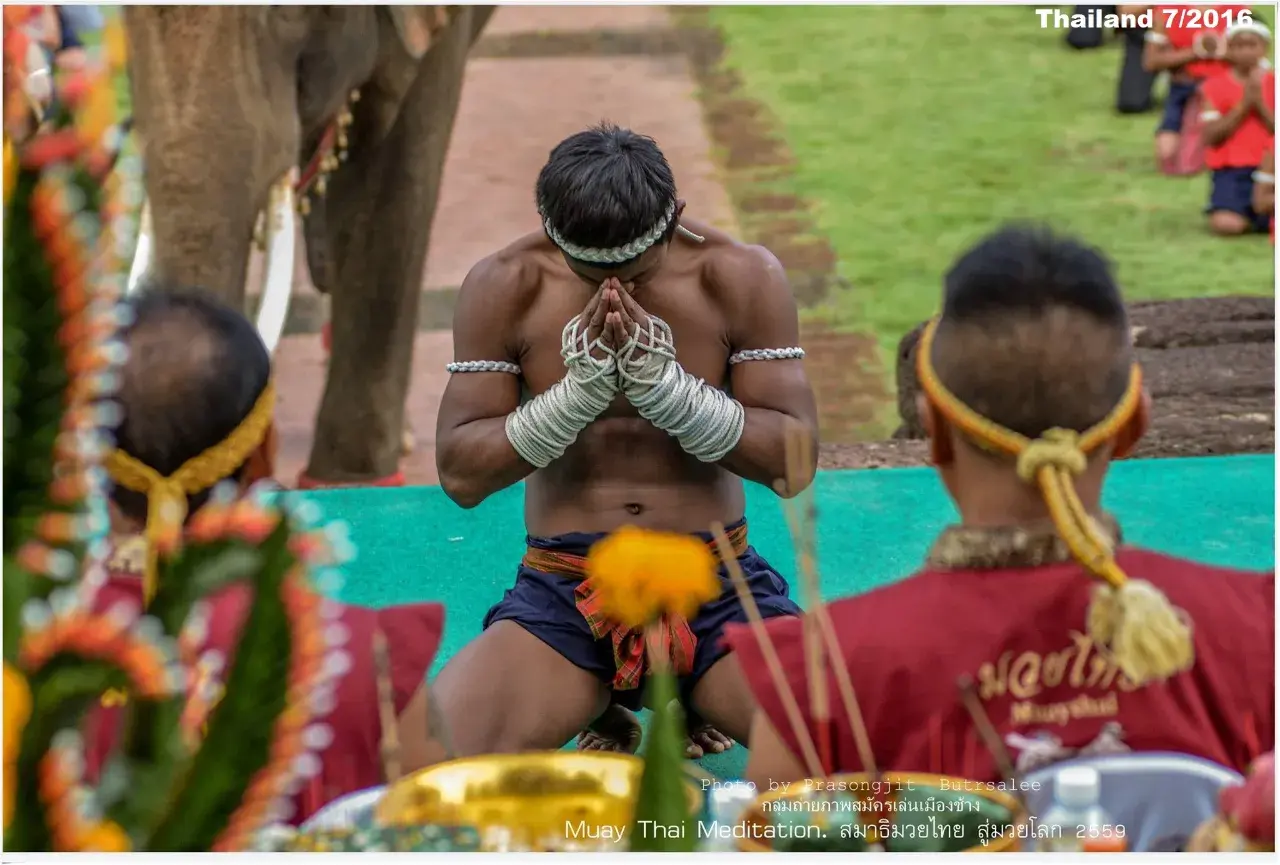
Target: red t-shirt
(1251, 140)
(1181, 36)
(353, 760)
(1019, 635)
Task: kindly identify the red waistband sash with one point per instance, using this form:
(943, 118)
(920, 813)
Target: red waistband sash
(676, 638)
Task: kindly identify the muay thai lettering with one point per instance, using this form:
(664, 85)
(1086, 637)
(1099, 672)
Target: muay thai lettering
(1026, 676)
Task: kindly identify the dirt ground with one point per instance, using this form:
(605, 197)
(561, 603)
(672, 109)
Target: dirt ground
(1209, 365)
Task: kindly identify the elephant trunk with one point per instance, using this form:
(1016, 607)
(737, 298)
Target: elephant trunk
(202, 225)
(215, 116)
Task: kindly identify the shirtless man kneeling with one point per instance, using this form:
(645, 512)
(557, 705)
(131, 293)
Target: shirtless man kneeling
(596, 359)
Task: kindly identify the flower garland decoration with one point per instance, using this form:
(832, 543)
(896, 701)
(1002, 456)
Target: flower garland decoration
(206, 759)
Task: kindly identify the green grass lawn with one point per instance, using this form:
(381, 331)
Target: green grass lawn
(917, 129)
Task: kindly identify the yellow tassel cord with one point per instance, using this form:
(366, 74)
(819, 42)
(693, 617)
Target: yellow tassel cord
(167, 496)
(1146, 635)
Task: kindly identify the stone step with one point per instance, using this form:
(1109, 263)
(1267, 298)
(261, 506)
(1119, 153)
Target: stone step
(309, 310)
(540, 19)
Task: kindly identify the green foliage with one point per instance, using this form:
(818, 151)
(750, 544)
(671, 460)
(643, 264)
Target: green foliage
(662, 805)
(241, 728)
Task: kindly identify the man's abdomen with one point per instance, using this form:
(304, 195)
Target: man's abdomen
(624, 471)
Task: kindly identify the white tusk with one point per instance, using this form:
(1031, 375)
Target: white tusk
(143, 251)
(277, 278)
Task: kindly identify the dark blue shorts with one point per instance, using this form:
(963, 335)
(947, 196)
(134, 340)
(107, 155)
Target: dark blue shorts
(545, 606)
(1231, 189)
(1175, 106)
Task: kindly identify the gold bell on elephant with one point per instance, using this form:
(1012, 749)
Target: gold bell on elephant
(304, 205)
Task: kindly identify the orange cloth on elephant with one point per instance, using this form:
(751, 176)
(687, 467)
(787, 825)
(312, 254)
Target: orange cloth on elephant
(1004, 607)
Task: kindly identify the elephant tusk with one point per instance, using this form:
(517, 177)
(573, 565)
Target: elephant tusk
(143, 251)
(277, 279)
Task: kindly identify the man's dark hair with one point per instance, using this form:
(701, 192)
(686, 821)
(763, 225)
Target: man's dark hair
(605, 187)
(195, 370)
(1034, 333)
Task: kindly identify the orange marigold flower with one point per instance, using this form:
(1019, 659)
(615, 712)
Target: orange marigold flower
(105, 837)
(17, 711)
(10, 169)
(641, 575)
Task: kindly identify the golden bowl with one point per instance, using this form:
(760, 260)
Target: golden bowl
(752, 835)
(543, 800)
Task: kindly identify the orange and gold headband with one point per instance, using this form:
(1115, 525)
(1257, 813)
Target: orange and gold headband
(1148, 637)
(167, 496)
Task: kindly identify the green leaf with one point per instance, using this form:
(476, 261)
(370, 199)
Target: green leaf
(664, 821)
(154, 753)
(62, 691)
(241, 729)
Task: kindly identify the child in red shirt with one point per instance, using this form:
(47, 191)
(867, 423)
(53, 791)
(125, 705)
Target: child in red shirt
(1075, 643)
(1239, 116)
(1190, 54)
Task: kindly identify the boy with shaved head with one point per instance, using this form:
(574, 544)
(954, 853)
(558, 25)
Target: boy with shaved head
(1074, 642)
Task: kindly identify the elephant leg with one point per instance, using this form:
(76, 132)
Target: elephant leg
(408, 438)
(379, 214)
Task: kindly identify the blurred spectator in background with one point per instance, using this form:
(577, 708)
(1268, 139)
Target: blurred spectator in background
(1088, 37)
(1190, 55)
(1239, 129)
(1136, 83)
(1264, 189)
(74, 22)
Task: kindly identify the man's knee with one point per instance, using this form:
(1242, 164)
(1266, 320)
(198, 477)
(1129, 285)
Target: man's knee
(1225, 223)
(1167, 144)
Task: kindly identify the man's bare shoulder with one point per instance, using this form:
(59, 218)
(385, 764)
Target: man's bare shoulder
(512, 273)
(729, 265)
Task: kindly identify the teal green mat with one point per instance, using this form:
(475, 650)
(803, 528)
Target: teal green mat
(874, 527)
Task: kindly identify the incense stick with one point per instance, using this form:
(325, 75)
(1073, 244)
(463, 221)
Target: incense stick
(990, 738)
(390, 745)
(844, 681)
(768, 651)
(797, 451)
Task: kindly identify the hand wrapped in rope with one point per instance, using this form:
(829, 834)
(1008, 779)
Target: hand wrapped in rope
(705, 420)
(542, 429)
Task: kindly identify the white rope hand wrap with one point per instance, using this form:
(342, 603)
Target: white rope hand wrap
(704, 419)
(542, 429)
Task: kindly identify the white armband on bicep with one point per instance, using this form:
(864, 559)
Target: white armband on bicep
(1264, 177)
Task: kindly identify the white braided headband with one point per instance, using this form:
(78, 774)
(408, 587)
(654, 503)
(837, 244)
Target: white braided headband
(617, 254)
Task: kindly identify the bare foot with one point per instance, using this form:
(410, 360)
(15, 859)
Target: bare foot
(705, 739)
(618, 729)
(615, 730)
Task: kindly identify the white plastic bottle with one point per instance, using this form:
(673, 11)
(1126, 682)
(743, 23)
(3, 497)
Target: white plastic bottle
(1076, 820)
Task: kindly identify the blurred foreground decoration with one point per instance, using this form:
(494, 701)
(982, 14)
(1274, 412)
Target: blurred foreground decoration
(1246, 822)
(187, 776)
